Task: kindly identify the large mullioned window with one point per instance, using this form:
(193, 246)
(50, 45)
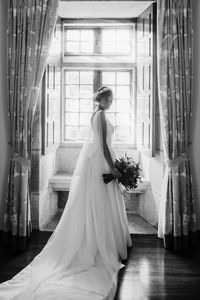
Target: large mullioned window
(120, 54)
(100, 51)
(89, 53)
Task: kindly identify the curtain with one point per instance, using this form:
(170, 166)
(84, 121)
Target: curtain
(177, 218)
(29, 32)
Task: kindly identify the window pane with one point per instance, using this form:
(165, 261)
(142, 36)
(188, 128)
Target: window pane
(87, 47)
(86, 105)
(116, 40)
(123, 133)
(123, 91)
(87, 35)
(123, 35)
(86, 77)
(71, 132)
(72, 77)
(71, 118)
(86, 91)
(111, 118)
(123, 106)
(123, 77)
(112, 107)
(84, 132)
(85, 118)
(78, 104)
(108, 47)
(108, 35)
(122, 119)
(72, 47)
(122, 47)
(72, 105)
(72, 91)
(73, 34)
(113, 88)
(108, 78)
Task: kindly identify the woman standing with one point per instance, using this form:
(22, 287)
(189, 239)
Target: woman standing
(82, 258)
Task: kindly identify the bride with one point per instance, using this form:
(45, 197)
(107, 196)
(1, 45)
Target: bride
(82, 258)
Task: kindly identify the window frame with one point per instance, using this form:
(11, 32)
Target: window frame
(98, 39)
(115, 65)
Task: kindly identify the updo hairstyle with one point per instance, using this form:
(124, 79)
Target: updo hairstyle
(102, 94)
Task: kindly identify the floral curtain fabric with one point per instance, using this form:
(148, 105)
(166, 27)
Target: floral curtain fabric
(29, 31)
(177, 218)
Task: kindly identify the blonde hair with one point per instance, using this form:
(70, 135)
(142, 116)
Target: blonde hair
(102, 94)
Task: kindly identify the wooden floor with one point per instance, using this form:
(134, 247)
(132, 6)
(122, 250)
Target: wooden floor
(151, 272)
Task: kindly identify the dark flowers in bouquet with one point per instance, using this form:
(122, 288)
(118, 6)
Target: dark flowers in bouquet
(129, 170)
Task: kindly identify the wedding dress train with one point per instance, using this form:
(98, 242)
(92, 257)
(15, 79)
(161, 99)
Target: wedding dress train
(82, 258)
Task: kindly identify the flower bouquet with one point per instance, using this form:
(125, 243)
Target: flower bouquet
(129, 170)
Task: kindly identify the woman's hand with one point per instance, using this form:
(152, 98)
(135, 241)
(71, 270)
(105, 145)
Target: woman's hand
(115, 172)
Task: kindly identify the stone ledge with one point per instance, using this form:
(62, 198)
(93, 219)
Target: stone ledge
(141, 188)
(61, 182)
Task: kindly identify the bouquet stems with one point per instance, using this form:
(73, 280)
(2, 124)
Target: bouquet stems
(108, 177)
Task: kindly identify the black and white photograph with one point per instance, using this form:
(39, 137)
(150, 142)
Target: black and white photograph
(99, 150)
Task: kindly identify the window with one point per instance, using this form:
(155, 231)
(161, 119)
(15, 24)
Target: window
(120, 113)
(121, 55)
(79, 41)
(78, 103)
(98, 40)
(116, 40)
(95, 56)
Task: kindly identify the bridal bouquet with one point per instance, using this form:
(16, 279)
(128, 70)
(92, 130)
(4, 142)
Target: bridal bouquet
(129, 170)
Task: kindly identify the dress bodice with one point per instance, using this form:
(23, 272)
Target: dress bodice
(97, 131)
(110, 131)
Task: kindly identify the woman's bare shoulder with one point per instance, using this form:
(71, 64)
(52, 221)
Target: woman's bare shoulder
(96, 113)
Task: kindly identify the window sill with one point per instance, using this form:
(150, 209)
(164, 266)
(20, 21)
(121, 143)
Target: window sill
(80, 144)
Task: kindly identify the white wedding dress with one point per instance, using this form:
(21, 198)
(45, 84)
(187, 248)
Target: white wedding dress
(82, 258)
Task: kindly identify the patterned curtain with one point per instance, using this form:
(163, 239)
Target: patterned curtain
(30, 28)
(177, 218)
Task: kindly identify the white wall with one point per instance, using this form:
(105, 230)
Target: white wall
(4, 128)
(195, 130)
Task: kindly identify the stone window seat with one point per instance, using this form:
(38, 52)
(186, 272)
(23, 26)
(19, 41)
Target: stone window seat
(61, 182)
(135, 200)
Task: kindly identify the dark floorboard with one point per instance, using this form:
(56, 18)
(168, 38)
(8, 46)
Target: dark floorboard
(151, 272)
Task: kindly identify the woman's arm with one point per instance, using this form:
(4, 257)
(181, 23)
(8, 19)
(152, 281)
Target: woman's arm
(105, 146)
